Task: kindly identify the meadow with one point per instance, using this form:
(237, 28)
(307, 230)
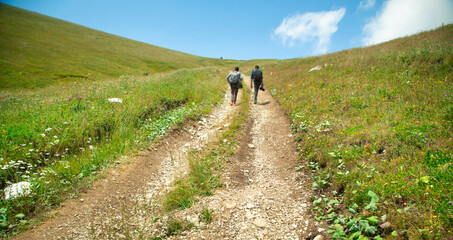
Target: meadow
(74, 101)
(374, 126)
(39, 51)
(59, 138)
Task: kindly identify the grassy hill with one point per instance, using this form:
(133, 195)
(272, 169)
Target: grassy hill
(37, 51)
(374, 125)
(58, 128)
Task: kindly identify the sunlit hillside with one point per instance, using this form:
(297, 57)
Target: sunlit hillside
(37, 51)
(375, 126)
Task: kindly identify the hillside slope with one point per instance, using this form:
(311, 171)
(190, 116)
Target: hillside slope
(375, 125)
(37, 51)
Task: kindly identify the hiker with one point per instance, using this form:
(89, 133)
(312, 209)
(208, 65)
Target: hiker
(234, 79)
(257, 77)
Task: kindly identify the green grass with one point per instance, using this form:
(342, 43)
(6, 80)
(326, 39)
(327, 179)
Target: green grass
(57, 141)
(377, 120)
(38, 51)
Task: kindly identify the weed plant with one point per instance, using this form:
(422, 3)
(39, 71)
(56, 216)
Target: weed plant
(58, 136)
(374, 125)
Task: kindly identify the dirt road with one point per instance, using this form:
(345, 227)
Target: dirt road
(263, 198)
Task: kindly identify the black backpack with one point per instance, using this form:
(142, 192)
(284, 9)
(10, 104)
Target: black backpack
(258, 75)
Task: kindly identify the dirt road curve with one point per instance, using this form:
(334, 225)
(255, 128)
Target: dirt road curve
(263, 198)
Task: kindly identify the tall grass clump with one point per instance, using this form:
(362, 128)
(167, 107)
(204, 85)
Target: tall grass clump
(375, 126)
(57, 137)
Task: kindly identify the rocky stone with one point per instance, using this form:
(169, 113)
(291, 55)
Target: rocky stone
(230, 205)
(193, 219)
(319, 237)
(385, 225)
(260, 222)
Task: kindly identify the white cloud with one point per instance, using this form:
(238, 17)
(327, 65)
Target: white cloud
(367, 4)
(400, 18)
(308, 27)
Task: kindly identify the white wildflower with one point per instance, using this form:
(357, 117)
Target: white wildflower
(48, 129)
(43, 135)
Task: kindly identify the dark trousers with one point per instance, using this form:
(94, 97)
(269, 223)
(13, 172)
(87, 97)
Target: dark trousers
(257, 85)
(234, 91)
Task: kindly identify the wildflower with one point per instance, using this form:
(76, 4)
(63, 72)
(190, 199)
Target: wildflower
(48, 129)
(91, 147)
(43, 135)
(31, 150)
(55, 136)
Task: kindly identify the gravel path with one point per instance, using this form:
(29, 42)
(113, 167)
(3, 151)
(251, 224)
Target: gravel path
(265, 198)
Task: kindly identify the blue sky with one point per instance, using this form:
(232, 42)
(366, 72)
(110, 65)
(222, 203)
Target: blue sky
(251, 29)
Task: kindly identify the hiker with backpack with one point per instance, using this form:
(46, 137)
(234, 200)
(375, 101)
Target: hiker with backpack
(257, 79)
(234, 79)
